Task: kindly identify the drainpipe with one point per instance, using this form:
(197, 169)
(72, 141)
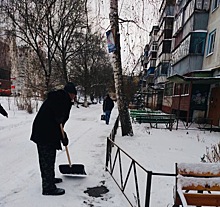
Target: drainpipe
(190, 96)
(178, 110)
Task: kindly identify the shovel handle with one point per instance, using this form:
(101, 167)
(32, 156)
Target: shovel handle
(66, 148)
(68, 156)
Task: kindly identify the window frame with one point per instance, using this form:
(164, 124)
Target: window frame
(168, 90)
(197, 43)
(211, 43)
(215, 5)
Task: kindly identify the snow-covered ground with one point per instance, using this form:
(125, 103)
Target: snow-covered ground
(155, 149)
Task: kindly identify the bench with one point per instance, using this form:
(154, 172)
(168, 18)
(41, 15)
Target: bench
(155, 119)
(197, 184)
(142, 111)
(135, 113)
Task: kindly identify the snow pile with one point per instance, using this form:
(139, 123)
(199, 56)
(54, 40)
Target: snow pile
(199, 168)
(192, 181)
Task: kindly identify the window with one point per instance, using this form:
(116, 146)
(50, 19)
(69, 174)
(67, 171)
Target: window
(169, 10)
(203, 4)
(206, 5)
(197, 43)
(199, 4)
(168, 91)
(156, 73)
(166, 46)
(211, 42)
(154, 46)
(178, 89)
(186, 89)
(215, 4)
(153, 54)
(181, 89)
(164, 68)
(169, 23)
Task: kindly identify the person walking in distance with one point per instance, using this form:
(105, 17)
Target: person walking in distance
(108, 105)
(47, 135)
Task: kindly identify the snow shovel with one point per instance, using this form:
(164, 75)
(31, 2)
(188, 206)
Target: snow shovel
(70, 169)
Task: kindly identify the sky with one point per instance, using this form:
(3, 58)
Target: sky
(134, 36)
(156, 150)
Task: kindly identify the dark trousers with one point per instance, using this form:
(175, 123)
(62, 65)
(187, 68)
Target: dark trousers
(107, 116)
(47, 157)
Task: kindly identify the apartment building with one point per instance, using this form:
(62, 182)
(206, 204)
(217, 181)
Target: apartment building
(149, 65)
(164, 39)
(186, 91)
(164, 36)
(5, 68)
(211, 61)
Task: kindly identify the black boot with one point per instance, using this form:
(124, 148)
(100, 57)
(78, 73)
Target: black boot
(58, 180)
(57, 191)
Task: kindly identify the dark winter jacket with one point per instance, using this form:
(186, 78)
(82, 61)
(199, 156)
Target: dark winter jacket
(46, 126)
(2, 111)
(108, 104)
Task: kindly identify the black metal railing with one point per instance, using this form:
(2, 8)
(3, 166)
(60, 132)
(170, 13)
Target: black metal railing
(114, 130)
(114, 163)
(194, 124)
(176, 123)
(123, 178)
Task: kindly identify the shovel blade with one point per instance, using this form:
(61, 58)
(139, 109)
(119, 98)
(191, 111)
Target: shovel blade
(78, 169)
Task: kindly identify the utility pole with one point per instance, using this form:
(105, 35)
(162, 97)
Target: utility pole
(124, 116)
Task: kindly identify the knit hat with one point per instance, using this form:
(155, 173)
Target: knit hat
(70, 88)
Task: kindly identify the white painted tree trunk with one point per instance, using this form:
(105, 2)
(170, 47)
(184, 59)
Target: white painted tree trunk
(117, 67)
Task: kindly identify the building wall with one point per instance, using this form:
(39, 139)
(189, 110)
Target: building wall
(199, 21)
(5, 69)
(5, 62)
(164, 43)
(214, 102)
(190, 17)
(213, 60)
(167, 104)
(188, 64)
(181, 103)
(199, 99)
(160, 79)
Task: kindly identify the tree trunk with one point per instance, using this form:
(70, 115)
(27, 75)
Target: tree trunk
(117, 67)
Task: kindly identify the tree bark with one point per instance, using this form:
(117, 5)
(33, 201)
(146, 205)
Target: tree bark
(126, 126)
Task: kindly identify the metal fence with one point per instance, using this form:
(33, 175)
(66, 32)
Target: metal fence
(182, 124)
(194, 124)
(115, 166)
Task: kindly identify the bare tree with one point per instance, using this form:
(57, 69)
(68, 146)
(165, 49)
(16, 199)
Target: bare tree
(71, 24)
(92, 68)
(48, 27)
(121, 99)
